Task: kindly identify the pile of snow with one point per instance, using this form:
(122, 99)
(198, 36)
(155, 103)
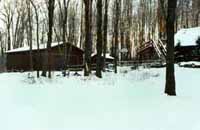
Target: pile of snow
(130, 100)
(187, 37)
(192, 63)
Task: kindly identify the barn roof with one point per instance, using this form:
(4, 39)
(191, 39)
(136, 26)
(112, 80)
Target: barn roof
(42, 46)
(187, 37)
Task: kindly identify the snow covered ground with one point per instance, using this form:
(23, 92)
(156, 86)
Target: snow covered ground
(127, 101)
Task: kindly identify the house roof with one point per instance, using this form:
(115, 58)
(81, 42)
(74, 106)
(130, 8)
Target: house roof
(42, 46)
(107, 56)
(187, 37)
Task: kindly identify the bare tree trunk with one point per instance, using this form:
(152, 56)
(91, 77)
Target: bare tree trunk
(197, 19)
(162, 18)
(81, 27)
(2, 49)
(116, 32)
(170, 76)
(9, 39)
(99, 39)
(16, 45)
(65, 14)
(30, 35)
(44, 57)
(105, 30)
(129, 22)
(196, 12)
(38, 44)
(2, 45)
(50, 16)
(88, 36)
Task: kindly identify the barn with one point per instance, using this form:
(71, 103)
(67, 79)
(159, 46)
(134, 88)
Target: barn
(146, 51)
(186, 47)
(152, 51)
(19, 59)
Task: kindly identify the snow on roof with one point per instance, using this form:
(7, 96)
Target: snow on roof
(27, 48)
(190, 62)
(107, 56)
(187, 37)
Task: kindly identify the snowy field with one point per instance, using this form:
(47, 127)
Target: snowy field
(127, 101)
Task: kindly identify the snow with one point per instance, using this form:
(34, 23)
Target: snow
(196, 63)
(130, 100)
(187, 36)
(34, 47)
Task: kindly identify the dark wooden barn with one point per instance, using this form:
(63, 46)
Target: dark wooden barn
(19, 59)
(146, 51)
(190, 52)
(187, 53)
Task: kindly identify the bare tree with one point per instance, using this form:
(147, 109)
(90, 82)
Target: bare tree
(116, 31)
(64, 15)
(99, 39)
(50, 33)
(30, 33)
(88, 36)
(196, 11)
(47, 65)
(81, 27)
(8, 19)
(105, 30)
(2, 45)
(37, 33)
(170, 76)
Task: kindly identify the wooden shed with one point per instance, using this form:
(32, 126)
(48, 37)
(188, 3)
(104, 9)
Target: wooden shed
(19, 59)
(109, 59)
(146, 51)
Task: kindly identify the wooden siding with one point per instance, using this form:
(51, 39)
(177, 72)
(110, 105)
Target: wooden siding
(19, 61)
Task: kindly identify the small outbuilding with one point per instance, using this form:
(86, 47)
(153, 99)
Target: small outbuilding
(187, 47)
(146, 51)
(109, 59)
(19, 59)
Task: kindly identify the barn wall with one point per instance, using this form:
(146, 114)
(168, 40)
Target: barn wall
(187, 53)
(19, 61)
(147, 54)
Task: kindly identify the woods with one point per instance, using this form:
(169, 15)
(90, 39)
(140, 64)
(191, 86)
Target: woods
(115, 29)
(99, 64)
